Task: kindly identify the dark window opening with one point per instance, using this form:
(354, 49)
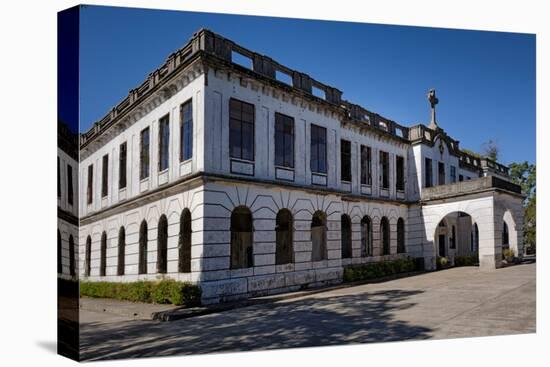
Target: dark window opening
(144, 154)
(241, 130)
(71, 256)
(346, 237)
(401, 236)
(105, 176)
(453, 174)
(441, 173)
(318, 162)
(186, 118)
(505, 234)
(399, 173)
(345, 160)
(88, 257)
(122, 159)
(184, 243)
(143, 238)
(384, 170)
(70, 184)
(283, 230)
(90, 188)
(366, 165)
(428, 173)
(319, 237)
(284, 141)
(241, 238)
(452, 240)
(385, 235)
(162, 245)
(121, 251)
(164, 143)
(103, 255)
(366, 237)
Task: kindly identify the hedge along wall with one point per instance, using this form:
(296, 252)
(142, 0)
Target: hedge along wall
(381, 269)
(163, 291)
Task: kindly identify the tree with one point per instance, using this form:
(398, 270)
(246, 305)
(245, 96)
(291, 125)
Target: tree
(491, 150)
(524, 174)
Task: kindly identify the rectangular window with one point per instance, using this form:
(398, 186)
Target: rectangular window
(186, 134)
(428, 172)
(366, 165)
(318, 162)
(122, 166)
(90, 189)
(453, 174)
(241, 130)
(345, 160)
(441, 173)
(399, 173)
(164, 143)
(144, 154)
(284, 141)
(58, 179)
(69, 184)
(384, 170)
(105, 176)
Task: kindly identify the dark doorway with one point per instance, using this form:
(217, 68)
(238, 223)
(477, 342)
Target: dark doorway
(442, 245)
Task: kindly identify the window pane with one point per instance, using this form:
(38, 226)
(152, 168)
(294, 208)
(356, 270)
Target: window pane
(247, 141)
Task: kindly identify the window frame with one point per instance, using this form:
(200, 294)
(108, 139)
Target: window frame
(123, 165)
(345, 160)
(287, 162)
(241, 123)
(384, 163)
(144, 154)
(164, 143)
(400, 173)
(90, 185)
(186, 126)
(366, 165)
(428, 172)
(105, 176)
(70, 191)
(315, 143)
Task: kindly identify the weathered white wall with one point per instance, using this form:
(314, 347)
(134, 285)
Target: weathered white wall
(267, 103)
(176, 170)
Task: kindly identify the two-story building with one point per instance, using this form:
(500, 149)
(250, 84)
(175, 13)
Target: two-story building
(228, 169)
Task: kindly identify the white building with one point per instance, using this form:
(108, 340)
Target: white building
(229, 169)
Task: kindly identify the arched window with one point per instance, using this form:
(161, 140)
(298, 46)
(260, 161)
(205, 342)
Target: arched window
(346, 236)
(319, 236)
(385, 235)
(283, 231)
(71, 256)
(121, 251)
(59, 253)
(103, 259)
(162, 244)
(142, 267)
(366, 236)
(184, 242)
(505, 235)
(88, 257)
(474, 238)
(241, 238)
(400, 236)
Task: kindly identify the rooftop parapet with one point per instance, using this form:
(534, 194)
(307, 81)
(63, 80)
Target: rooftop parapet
(476, 185)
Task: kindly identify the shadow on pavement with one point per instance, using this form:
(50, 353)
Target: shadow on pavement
(316, 321)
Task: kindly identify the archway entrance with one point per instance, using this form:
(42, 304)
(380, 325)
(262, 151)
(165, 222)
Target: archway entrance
(456, 235)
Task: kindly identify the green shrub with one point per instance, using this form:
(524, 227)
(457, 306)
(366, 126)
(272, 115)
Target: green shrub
(468, 260)
(442, 262)
(508, 253)
(163, 291)
(379, 269)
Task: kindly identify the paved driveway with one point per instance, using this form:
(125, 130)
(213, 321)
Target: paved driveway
(459, 302)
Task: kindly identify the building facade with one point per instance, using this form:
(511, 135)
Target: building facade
(228, 169)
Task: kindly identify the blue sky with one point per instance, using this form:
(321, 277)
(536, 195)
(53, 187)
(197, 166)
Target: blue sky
(485, 81)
